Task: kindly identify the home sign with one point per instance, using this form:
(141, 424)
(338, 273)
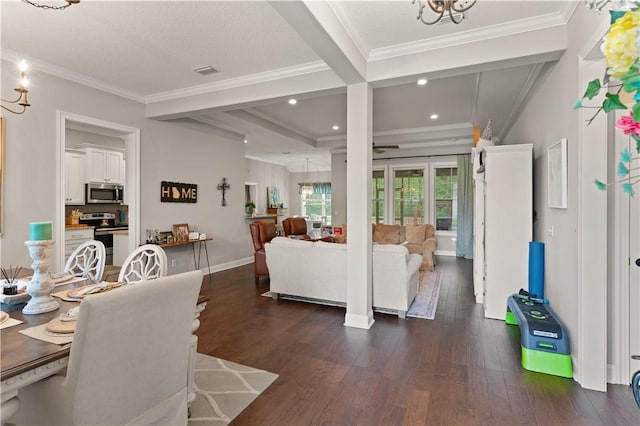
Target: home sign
(176, 192)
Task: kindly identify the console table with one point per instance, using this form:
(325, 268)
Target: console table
(192, 243)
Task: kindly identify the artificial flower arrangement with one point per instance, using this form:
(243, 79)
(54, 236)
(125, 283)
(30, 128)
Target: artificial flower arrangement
(621, 49)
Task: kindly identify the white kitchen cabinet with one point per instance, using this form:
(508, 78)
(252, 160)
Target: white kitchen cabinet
(503, 225)
(74, 193)
(104, 166)
(73, 237)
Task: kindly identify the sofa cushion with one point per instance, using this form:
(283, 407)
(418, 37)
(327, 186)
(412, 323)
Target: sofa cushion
(415, 234)
(388, 234)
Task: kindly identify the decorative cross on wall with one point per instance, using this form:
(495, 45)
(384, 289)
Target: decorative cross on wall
(223, 186)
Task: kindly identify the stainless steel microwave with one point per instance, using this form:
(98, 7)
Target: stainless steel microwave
(106, 193)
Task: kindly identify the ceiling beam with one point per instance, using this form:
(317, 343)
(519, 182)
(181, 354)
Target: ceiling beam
(258, 93)
(320, 28)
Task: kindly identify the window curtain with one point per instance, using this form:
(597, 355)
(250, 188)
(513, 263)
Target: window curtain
(322, 188)
(464, 238)
(318, 187)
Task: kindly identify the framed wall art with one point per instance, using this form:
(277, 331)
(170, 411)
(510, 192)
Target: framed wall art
(557, 174)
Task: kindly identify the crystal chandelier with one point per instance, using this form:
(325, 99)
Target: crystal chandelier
(451, 9)
(306, 188)
(22, 92)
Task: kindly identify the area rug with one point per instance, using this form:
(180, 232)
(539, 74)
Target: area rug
(223, 389)
(426, 301)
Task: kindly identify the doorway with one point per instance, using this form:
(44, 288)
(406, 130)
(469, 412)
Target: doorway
(131, 138)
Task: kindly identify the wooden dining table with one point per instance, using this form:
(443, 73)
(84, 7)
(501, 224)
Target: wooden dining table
(25, 360)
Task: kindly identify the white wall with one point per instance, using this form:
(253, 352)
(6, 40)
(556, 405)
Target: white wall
(74, 138)
(545, 119)
(169, 151)
(267, 175)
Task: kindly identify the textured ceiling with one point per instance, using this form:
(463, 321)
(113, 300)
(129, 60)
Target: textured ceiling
(267, 52)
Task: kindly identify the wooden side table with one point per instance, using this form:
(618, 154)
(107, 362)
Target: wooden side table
(196, 261)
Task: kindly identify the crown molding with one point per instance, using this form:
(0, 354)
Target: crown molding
(347, 23)
(471, 36)
(520, 101)
(279, 123)
(71, 76)
(246, 80)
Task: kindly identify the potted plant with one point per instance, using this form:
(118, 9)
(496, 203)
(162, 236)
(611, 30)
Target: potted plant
(249, 208)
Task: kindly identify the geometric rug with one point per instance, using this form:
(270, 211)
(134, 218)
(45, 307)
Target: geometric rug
(223, 389)
(426, 301)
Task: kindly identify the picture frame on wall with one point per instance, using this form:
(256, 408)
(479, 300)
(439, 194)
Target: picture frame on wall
(557, 174)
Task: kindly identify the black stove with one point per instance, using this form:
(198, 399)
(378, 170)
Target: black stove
(103, 224)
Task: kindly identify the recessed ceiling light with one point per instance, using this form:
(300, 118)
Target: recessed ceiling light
(433, 116)
(292, 101)
(422, 82)
(336, 127)
(245, 141)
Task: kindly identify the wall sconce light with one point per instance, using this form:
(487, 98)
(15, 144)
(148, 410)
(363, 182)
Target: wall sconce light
(22, 92)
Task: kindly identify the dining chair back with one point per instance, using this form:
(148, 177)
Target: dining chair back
(87, 261)
(128, 360)
(147, 262)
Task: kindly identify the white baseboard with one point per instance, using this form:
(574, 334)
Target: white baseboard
(445, 253)
(228, 265)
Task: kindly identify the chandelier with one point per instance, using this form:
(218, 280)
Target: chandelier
(306, 188)
(46, 6)
(22, 92)
(452, 9)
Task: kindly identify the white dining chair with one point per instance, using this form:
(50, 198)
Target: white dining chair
(128, 361)
(87, 261)
(147, 262)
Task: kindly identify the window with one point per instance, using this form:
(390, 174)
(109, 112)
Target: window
(377, 197)
(408, 205)
(317, 206)
(446, 198)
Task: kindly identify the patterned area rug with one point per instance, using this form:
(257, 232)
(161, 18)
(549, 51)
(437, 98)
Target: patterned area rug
(426, 301)
(224, 389)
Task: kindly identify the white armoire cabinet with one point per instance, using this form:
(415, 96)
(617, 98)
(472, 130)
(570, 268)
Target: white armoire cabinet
(503, 225)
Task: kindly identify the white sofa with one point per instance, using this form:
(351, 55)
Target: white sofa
(317, 272)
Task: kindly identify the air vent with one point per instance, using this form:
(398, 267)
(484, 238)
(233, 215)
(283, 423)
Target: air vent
(206, 70)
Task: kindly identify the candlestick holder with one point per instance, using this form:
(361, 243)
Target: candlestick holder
(41, 285)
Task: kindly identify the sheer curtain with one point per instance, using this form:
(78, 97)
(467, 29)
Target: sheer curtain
(464, 238)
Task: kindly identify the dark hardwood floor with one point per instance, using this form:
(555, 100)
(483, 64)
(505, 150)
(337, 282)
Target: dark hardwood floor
(459, 369)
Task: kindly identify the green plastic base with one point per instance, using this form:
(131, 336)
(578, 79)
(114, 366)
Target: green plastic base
(547, 362)
(510, 318)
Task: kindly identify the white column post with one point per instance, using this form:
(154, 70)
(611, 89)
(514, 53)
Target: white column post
(359, 267)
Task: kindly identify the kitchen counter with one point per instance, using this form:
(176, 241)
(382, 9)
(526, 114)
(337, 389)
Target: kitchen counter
(80, 226)
(262, 217)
